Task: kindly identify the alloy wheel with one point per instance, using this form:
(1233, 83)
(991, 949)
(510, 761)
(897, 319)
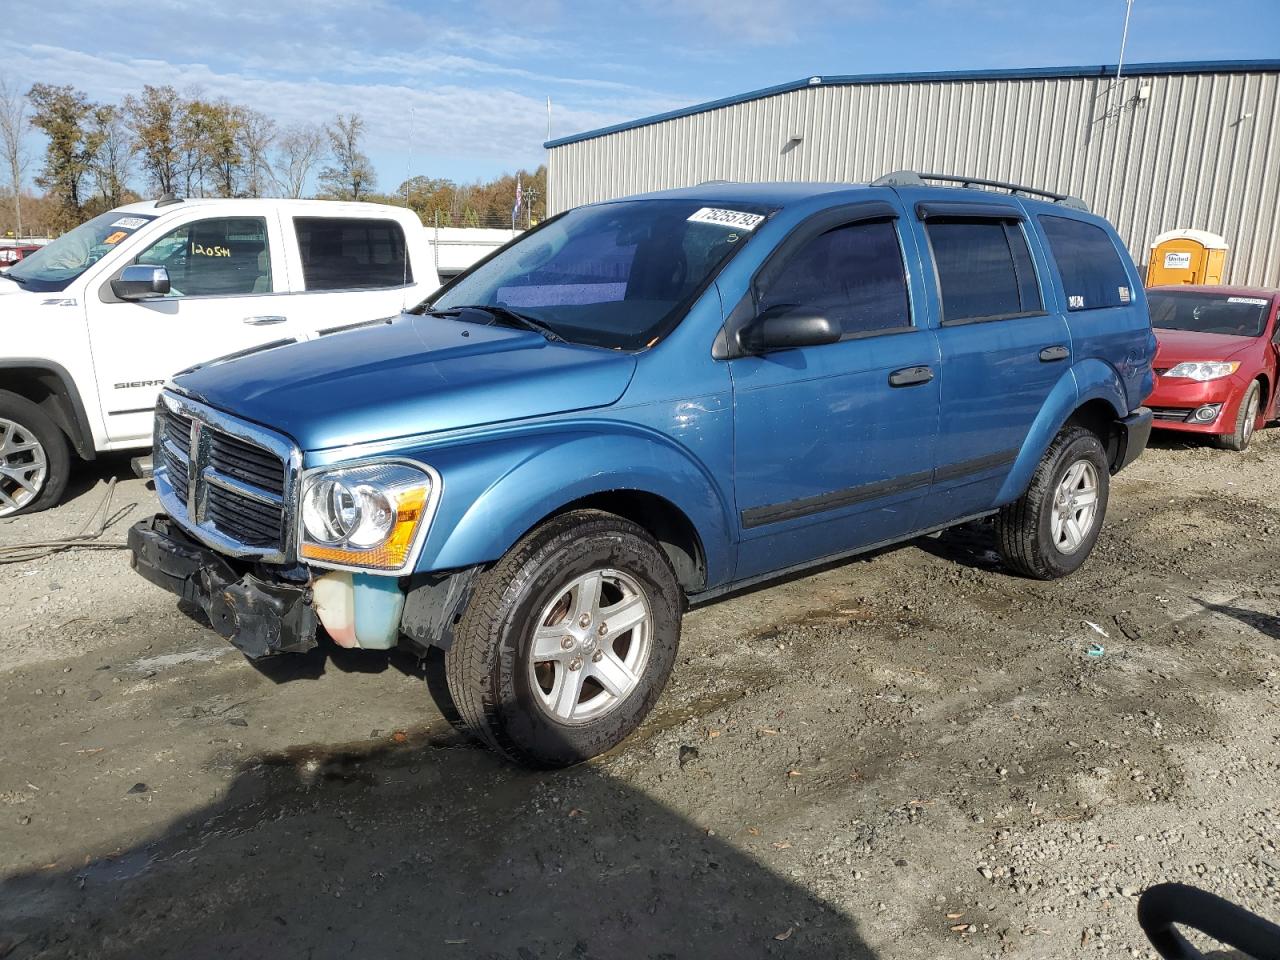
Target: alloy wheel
(1075, 507)
(23, 467)
(590, 646)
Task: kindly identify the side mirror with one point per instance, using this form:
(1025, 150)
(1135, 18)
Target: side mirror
(141, 282)
(786, 327)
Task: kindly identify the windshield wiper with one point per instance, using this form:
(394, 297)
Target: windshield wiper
(9, 276)
(507, 314)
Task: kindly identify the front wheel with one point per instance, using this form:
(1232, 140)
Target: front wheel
(35, 461)
(1246, 420)
(567, 641)
(1050, 530)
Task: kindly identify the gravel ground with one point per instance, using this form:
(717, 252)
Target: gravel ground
(910, 755)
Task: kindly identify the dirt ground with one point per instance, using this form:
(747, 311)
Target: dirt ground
(911, 755)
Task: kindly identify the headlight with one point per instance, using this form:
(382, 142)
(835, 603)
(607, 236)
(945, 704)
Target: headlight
(1203, 370)
(368, 516)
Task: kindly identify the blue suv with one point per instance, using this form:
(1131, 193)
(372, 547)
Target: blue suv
(646, 403)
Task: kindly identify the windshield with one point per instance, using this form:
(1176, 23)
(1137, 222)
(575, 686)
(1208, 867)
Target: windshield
(55, 265)
(1208, 312)
(616, 275)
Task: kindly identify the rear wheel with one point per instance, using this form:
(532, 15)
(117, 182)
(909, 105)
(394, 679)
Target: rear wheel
(1246, 421)
(35, 461)
(567, 641)
(1050, 530)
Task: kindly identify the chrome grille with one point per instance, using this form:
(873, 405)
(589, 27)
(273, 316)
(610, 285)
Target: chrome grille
(228, 482)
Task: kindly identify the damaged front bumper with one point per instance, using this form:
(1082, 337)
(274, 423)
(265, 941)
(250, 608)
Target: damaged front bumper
(260, 617)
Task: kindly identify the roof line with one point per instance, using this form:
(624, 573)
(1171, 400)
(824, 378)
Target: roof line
(1020, 73)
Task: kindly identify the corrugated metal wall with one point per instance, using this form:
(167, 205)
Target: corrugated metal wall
(1201, 150)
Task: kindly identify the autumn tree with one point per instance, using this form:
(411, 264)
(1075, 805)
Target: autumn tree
(153, 119)
(351, 176)
(13, 130)
(299, 150)
(66, 117)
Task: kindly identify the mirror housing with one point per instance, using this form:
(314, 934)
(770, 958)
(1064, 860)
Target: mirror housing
(787, 327)
(141, 282)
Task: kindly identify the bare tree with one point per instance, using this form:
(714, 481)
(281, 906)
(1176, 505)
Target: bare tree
(351, 177)
(13, 128)
(299, 150)
(257, 132)
(112, 164)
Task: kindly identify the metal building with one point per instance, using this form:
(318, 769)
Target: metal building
(1167, 145)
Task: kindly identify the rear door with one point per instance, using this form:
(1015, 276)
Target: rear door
(1002, 350)
(350, 271)
(833, 444)
(224, 272)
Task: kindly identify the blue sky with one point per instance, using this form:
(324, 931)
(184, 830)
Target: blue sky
(465, 81)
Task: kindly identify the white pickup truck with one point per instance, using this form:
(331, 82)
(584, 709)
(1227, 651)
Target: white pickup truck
(93, 325)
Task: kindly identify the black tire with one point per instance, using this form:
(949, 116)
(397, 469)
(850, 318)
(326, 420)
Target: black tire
(488, 667)
(1024, 528)
(1238, 439)
(31, 421)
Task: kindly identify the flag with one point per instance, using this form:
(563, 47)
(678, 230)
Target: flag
(515, 210)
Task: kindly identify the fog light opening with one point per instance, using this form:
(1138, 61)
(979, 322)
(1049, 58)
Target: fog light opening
(1206, 414)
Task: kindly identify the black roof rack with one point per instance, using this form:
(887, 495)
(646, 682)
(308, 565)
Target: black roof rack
(909, 178)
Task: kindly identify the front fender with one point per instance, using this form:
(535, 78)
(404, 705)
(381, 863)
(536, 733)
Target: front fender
(496, 491)
(1090, 379)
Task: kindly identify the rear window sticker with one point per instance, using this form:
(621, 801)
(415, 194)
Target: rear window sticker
(1075, 302)
(728, 218)
(1125, 295)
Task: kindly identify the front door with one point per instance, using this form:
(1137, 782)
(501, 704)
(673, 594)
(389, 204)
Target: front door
(222, 273)
(833, 444)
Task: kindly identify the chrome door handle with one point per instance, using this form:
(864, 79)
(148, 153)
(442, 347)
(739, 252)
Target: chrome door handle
(264, 321)
(911, 376)
(1057, 352)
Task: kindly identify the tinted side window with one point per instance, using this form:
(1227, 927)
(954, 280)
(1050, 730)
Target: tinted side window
(853, 274)
(339, 254)
(214, 258)
(1093, 275)
(984, 269)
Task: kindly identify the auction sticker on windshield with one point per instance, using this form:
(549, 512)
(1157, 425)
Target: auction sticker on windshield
(130, 223)
(737, 219)
(1253, 301)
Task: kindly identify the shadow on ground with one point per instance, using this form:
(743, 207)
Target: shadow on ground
(425, 848)
(1266, 624)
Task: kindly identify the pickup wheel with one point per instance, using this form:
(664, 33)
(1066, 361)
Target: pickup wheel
(35, 461)
(1246, 420)
(1050, 530)
(567, 641)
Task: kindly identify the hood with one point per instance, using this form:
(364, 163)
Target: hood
(1178, 346)
(413, 375)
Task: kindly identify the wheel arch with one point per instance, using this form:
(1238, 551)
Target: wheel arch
(639, 476)
(50, 386)
(1090, 393)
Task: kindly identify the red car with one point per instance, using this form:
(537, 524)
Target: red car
(1216, 363)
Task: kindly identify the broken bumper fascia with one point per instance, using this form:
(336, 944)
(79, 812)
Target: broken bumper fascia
(260, 617)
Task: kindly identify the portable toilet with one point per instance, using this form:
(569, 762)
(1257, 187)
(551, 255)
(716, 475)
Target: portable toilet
(1187, 256)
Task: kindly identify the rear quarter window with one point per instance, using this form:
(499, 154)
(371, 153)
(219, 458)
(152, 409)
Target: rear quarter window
(1093, 275)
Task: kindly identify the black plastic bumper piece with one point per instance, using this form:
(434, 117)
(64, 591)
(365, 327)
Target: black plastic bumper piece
(260, 617)
(1135, 431)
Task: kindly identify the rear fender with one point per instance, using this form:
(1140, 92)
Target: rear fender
(1090, 379)
(496, 491)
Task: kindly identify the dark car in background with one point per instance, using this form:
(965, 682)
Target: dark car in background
(1216, 363)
